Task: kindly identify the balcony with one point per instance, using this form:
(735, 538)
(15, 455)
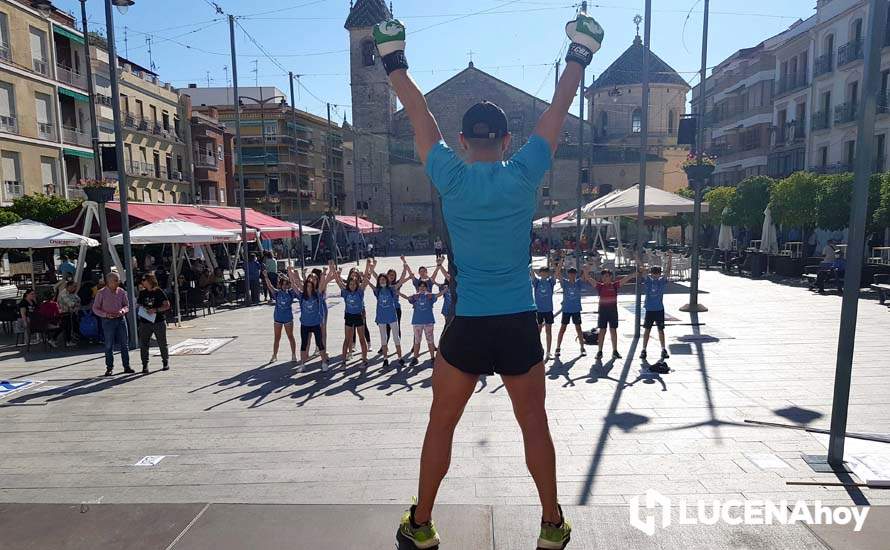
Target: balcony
(46, 130)
(845, 112)
(5, 53)
(137, 169)
(821, 121)
(824, 65)
(849, 52)
(205, 159)
(9, 125)
(792, 132)
(71, 77)
(75, 136)
(790, 84)
(836, 168)
(40, 66)
(12, 189)
(883, 103)
(267, 140)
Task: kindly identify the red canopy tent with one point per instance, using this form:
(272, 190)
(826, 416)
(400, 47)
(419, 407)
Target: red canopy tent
(364, 226)
(268, 226)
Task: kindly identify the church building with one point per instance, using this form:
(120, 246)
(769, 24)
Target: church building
(386, 182)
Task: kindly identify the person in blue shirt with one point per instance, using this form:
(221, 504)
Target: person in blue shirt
(423, 321)
(571, 286)
(396, 282)
(543, 284)
(488, 203)
(252, 272)
(66, 267)
(284, 297)
(444, 289)
(387, 317)
(310, 300)
(353, 293)
(654, 286)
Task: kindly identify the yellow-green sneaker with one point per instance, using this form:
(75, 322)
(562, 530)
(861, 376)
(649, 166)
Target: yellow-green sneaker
(555, 537)
(413, 536)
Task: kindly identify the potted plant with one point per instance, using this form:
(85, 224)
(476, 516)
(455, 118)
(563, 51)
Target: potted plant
(699, 170)
(98, 190)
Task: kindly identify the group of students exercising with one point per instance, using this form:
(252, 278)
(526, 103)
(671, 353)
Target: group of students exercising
(310, 292)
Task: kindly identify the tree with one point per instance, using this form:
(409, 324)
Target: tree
(833, 195)
(718, 199)
(794, 200)
(42, 208)
(7, 217)
(750, 200)
(681, 220)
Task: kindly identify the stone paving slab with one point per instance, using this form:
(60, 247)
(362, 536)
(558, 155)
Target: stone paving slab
(875, 532)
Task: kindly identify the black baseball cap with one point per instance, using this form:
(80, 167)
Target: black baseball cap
(484, 120)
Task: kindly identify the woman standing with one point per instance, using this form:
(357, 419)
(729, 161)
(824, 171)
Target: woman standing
(387, 318)
(283, 317)
(310, 316)
(353, 292)
(423, 321)
(151, 319)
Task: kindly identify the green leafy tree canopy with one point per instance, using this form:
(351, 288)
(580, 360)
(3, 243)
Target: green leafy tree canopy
(750, 200)
(718, 199)
(794, 200)
(42, 208)
(7, 217)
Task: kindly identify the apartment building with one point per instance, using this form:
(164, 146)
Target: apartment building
(287, 166)
(45, 142)
(213, 167)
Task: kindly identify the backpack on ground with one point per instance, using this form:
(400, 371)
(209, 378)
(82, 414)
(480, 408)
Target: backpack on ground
(590, 337)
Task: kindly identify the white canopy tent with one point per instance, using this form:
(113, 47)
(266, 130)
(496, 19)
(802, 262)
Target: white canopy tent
(177, 232)
(29, 234)
(625, 202)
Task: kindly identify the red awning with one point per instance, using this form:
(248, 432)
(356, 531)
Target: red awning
(151, 213)
(556, 219)
(268, 226)
(364, 225)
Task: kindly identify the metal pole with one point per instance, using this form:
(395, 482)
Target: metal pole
(552, 173)
(355, 188)
(296, 173)
(693, 305)
(877, 15)
(329, 165)
(122, 173)
(644, 157)
(244, 248)
(88, 65)
(579, 196)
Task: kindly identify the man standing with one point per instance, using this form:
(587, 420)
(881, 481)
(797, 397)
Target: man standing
(152, 320)
(252, 271)
(111, 305)
(488, 205)
(438, 247)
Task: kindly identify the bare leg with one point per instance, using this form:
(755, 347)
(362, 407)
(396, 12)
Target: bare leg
(600, 339)
(646, 338)
(452, 389)
(363, 342)
(548, 329)
(289, 330)
(562, 331)
(614, 333)
(580, 334)
(528, 393)
(661, 338)
(347, 342)
(277, 340)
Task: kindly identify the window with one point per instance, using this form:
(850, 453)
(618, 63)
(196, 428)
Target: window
(671, 116)
(12, 183)
(636, 121)
(38, 51)
(7, 108)
(604, 123)
(4, 38)
(823, 156)
(162, 196)
(146, 195)
(125, 104)
(156, 157)
(829, 45)
(128, 153)
(856, 30)
(154, 113)
(369, 53)
(826, 102)
(850, 148)
(880, 154)
(48, 174)
(169, 164)
(140, 109)
(179, 164)
(165, 120)
(44, 116)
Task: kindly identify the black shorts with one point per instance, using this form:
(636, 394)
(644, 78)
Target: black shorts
(545, 317)
(306, 332)
(355, 320)
(508, 345)
(608, 318)
(574, 318)
(654, 318)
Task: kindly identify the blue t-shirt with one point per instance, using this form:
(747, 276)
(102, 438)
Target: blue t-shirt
(310, 309)
(447, 304)
(67, 267)
(423, 309)
(355, 300)
(654, 292)
(544, 293)
(386, 305)
(417, 280)
(284, 300)
(571, 295)
(253, 271)
(488, 208)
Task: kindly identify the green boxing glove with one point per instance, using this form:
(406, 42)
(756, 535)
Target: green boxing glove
(390, 39)
(587, 38)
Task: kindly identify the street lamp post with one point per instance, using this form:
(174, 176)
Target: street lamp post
(122, 5)
(237, 107)
(297, 174)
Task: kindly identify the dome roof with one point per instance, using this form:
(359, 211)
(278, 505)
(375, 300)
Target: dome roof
(367, 13)
(628, 70)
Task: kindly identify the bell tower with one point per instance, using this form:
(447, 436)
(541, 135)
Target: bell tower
(373, 100)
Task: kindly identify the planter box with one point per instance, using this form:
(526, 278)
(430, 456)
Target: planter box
(99, 194)
(699, 172)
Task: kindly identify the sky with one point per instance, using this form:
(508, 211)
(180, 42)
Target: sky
(516, 40)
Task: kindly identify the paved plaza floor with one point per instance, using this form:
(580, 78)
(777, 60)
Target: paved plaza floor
(238, 432)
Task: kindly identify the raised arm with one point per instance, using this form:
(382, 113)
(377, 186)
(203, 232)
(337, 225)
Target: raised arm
(390, 39)
(558, 274)
(587, 37)
(272, 289)
(338, 278)
(366, 277)
(406, 269)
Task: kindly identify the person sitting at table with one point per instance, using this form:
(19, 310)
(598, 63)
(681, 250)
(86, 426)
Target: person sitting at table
(51, 314)
(835, 270)
(205, 279)
(218, 284)
(26, 307)
(829, 253)
(69, 303)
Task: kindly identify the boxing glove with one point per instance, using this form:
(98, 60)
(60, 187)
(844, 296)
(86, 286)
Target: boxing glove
(390, 39)
(587, 38)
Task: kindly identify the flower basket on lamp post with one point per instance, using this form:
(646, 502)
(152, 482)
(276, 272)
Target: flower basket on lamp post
(98, 191)
(699, 170)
